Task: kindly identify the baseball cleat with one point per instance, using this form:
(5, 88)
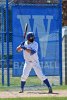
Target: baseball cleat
(21, 91)
(50, 90)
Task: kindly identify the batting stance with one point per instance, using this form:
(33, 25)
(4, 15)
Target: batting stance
(30, 53)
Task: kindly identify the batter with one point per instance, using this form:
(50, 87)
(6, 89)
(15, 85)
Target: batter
(30, 53)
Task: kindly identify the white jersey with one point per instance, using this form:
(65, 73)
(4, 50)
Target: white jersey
(28, 56)
(31, 61)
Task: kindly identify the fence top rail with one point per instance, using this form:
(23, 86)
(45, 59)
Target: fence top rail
(39, 4)
(36, 5)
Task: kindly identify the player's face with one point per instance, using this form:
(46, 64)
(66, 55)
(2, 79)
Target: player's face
(31, 39)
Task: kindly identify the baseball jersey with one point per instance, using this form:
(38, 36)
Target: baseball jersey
(31, 46)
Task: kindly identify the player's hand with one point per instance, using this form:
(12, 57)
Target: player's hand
(19, 49)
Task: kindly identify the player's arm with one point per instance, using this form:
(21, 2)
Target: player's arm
(19, 49)
(31, 51)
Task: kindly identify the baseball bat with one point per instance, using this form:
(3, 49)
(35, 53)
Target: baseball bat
(19, 49)
(26, 27)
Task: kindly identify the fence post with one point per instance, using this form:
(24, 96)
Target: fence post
(7, 40)
(2, 61)
(60, 41)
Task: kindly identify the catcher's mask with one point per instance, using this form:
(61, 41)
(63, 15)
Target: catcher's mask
(30, 36)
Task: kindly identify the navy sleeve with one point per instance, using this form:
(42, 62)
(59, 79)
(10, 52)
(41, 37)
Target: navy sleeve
(23, 47)
(33, 52)
(22, 43)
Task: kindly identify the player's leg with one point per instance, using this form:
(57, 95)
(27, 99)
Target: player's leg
(46, 81)
(24, 76)
(43, 78)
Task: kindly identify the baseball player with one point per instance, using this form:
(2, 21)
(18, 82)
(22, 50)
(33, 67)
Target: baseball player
(30, 53)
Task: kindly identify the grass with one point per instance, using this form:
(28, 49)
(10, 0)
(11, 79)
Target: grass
(15, 81)
(60, 87)
(6, 88)
(31, 81)
(36, 98)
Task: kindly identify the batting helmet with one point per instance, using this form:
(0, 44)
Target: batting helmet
(30, 36)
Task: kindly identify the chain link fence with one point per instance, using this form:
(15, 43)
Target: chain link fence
(15, 81)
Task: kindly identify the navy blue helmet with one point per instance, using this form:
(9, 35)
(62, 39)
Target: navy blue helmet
(30, 36)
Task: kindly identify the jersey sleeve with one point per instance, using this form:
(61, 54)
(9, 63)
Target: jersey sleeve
(35, 47)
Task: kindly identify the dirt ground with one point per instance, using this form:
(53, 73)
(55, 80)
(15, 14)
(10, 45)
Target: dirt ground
(16, 94)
